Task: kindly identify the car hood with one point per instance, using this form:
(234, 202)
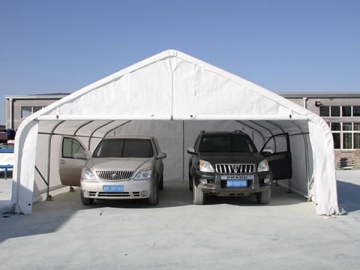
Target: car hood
(126, 164)
(229, 157)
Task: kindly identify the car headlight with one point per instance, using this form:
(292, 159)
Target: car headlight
(87, 174)
(205, 166)
(144, 174)
(263, 166)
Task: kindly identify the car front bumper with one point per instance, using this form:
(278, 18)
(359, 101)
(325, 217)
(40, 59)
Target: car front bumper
(129, 189)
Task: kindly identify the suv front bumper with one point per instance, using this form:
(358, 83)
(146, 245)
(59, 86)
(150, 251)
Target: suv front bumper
(216, 184)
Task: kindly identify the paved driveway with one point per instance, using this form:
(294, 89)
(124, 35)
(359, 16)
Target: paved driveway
(227, 233)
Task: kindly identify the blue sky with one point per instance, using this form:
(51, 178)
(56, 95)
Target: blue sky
(282, 45)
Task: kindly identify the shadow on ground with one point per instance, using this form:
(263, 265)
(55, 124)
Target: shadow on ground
(348, 196)
(49, 216)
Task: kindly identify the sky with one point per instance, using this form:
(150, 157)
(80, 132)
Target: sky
(60, 46)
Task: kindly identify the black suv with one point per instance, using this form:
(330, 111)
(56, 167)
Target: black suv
(228, 164)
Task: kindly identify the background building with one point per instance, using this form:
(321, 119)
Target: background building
(340, 110)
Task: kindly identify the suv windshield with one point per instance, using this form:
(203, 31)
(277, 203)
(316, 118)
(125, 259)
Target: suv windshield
(227, 143)
(124, 148)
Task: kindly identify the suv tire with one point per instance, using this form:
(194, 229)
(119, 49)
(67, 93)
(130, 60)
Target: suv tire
(161, 184)
(198, 195)
(263, 197)
(190, 182)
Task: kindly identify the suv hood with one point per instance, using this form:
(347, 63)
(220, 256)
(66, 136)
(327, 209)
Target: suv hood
(126, 164)
(215, 158)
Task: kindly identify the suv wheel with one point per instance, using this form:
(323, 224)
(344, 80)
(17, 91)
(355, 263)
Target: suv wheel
(263, 197)
(198, 195)
(190, 182)
(86, 201)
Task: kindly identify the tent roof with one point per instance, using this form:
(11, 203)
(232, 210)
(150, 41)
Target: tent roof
(183, 85)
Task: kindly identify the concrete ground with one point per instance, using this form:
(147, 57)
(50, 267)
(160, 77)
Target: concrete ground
(223, 234)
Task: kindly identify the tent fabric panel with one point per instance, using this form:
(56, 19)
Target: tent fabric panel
(24, 169)
(130, 95)
(199, 92)
(324, 191)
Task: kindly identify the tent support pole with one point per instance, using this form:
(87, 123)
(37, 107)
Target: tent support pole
(262, 136)
(48, 196)
(265, 129)
(42, 177)
(81, 126)
(183, 146)
(92, 133)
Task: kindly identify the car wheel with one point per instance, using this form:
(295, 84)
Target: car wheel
(263, 197)
(198, 195)
(161, 184)
(86, 201)
(154, 197)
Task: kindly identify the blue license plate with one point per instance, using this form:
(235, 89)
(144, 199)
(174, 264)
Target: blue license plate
(113, 188)
(236, 183)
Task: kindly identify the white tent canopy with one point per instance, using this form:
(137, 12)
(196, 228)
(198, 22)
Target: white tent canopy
(172, 96)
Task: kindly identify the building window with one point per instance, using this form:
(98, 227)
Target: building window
(356, 110)
(29, 110)
(346, 111)
(339, 111)
(346, 135)
(324, 111)
(335, 111)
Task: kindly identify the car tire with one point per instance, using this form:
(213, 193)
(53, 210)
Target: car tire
(263, 197)
(86, 201)
(154, 197)
(198, 195)
(161, 183)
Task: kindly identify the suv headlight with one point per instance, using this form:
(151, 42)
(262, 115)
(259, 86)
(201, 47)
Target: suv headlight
(263, 166)
(87, 174)
(205, 166)
(144, 174)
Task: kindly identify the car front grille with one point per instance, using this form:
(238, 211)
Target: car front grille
(235, 168)
(114, 175)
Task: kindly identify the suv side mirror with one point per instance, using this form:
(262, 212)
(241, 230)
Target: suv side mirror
(267, 152)
(191, 151)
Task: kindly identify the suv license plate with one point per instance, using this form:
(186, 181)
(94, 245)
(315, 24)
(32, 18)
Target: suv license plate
(113, 188)
(236, 183)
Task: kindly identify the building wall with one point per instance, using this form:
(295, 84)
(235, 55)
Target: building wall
(344, 158)
(17, 105)
(348, 158)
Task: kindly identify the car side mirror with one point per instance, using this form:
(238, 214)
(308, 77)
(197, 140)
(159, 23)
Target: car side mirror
(161, 155)
(191, 151)
(80, 156)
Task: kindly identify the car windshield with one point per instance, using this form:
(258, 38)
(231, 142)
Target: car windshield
(124, 148)
(227, 143)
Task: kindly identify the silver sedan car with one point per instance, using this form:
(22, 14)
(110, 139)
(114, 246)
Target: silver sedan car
(126, 167)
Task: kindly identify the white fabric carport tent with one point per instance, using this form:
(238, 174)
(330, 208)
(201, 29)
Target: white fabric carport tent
(176, 92)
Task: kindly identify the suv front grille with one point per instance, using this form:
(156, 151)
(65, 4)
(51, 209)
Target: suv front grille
(114, 175)
(235, 168)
